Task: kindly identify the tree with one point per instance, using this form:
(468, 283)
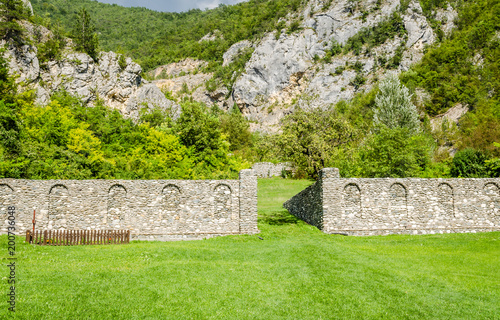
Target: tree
(10, 126)
(310, 139)
(84, 34)
(469, 163)
(12, 11)
(199, 130)
(394, 108)
(395, 153)
(236, 128)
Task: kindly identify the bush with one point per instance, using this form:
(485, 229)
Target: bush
(122, 62)
(395, 153)
(307, 147)
(469, 163)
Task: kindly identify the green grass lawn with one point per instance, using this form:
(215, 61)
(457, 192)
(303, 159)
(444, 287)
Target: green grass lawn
(296, 272)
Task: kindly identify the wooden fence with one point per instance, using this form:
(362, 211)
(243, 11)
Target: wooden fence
(77, 237)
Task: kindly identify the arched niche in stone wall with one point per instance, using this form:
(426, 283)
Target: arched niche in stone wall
(222, 201)
(6, 198)
(398, 199)
(171, 201)
(117, 204)
(492, 192)
(446, 199)
(58, 206)
(352, 199)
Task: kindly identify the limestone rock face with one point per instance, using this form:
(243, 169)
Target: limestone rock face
(187, 66)
(230, 55)
(288, 69)
(77, 73)
(284, 71)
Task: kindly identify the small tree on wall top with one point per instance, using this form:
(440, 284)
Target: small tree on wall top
(84, 34)
(394, 108)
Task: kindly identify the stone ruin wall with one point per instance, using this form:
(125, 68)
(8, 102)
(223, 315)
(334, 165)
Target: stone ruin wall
(269, 169)
(398, 206)
(151, 209)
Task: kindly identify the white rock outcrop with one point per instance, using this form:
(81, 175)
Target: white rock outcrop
(77, 73)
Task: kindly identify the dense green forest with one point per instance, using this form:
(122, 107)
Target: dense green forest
(154, 38)
(67, 139)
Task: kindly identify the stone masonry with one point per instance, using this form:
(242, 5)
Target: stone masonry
(269, 169)
(398, 206)
(151, 209)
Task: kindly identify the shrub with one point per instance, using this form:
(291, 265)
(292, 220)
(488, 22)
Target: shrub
(122, 62)
(469, 163)
(395, 153)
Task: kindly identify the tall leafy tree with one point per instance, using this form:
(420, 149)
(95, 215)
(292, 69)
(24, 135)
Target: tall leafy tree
(84, 34)
(395, 153)
(310, 139)
(10, 126)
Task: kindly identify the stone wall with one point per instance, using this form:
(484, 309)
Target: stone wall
(399, 206)
(151, 209)
(269, 170)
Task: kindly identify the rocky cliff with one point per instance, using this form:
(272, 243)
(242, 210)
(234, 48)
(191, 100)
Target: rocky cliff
(118, 83)
(290, 68)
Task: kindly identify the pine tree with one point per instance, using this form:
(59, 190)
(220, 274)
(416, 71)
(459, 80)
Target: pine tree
(394, 106)
(84, 34)
(12, 11)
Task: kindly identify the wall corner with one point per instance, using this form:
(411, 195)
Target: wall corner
(248, 202)
(327, 180)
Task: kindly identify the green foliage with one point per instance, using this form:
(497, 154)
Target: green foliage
(236, 128)
(11, 12)
(8, 86)
(84, 34)
(307, 147)
(10, 124)
(396, 153)
(228, 74)
(394, 108)
(50, 50)
(464, 68)
(10, 129)
(358, 81)
(394, 62)
(122, 62)
(469, 163)
(199, 130)
(377, 35)
(154, 38)
(335, 49)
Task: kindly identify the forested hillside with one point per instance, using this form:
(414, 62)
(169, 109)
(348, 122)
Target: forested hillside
(387, 129)
(154, 38)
